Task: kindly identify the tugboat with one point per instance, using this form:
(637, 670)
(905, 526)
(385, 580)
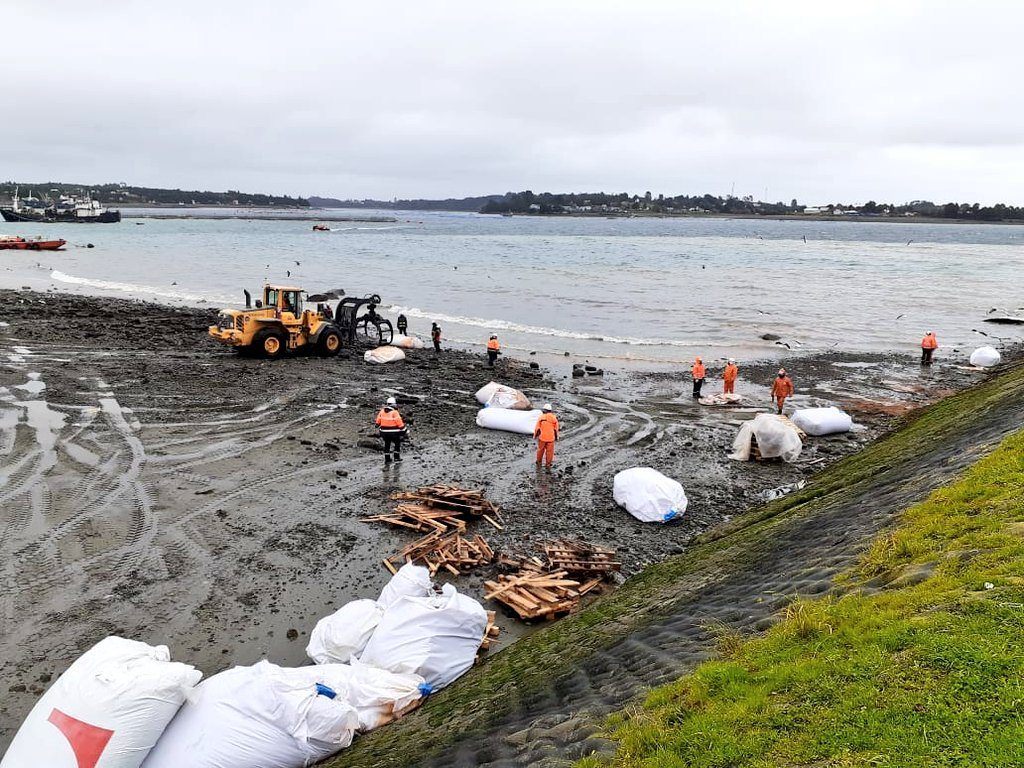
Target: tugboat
(10, 242)
(68, 210)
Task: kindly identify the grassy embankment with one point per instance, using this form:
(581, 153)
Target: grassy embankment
(919, 662)
(509, 680)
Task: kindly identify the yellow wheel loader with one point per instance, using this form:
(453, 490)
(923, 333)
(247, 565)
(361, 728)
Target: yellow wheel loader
(277, 324)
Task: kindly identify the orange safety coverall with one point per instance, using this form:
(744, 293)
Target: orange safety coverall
(782, 388)
(698, 370)
(546, 433)
(729, 378)
(929, 342)
(493, 345)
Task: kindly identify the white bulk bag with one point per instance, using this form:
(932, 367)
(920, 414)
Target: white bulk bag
(382, 355)
(106, 711)
(337, 638)
(822, 421)
(436, 637)
(495, 395)
(522, 422)
(407, 342)
(261, 716)
(377, 695)
(986, 357)
(775, 438)
(410, 581)
(340, 637)
(648, 495)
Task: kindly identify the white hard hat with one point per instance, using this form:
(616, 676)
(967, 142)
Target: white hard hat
(732, 360)
(392, 401)
(546, 407)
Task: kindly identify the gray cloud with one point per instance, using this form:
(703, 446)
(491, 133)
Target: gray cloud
(809, 100)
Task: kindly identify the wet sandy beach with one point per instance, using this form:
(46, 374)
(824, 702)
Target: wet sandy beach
(156, 485)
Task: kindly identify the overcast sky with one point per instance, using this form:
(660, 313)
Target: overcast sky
(822, 101)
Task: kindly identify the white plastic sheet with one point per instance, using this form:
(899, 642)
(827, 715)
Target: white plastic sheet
(495, 395)
(436, 637)
(648, 495)
(343, 635)
(822, 421)
(775, 438)
(382, 355)
(520, 422)
(106, 711)
(986, 357)
(407, 342)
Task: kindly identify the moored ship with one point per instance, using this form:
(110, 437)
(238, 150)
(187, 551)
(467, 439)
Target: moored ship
(69, 209)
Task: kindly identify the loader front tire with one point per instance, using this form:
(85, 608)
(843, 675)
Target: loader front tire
(269, 343)
(329, 343)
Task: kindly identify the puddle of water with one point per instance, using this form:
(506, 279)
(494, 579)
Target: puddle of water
(34, 385)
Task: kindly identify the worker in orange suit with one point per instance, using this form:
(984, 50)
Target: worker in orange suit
(699, 372)
(782, 388)
(928, 346)
(729, 377)
(493, 350)
(392, 429)
(546, 433)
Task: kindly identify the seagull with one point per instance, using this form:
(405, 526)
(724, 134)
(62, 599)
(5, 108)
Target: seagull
(289, 272)
(909, 242)
(783, 344)
(899, 315)
(298, 263)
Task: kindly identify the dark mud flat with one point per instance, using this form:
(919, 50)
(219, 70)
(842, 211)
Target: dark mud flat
(157, 485)
(541, 703)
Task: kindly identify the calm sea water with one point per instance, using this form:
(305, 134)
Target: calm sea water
(621, 291)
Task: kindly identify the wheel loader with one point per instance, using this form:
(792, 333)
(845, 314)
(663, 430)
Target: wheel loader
(278, 323)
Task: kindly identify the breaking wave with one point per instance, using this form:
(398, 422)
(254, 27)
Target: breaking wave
(148, 290)
(537, 330)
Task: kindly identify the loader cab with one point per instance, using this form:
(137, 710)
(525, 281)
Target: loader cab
(283, 299)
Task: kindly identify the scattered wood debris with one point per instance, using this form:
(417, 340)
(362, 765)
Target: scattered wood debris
(441, 512)
(535, 595)
(490, 633)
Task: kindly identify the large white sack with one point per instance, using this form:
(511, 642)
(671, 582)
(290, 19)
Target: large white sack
(407, 342)
(339, 637)
(521, 422)
(822, 421)
(382, 355)
(648, 495)
(410, 581)
(986, 357)
(378, 696)
(495, 395)
(261, 716)
(436, 637)
(775, 438)
(106, 711)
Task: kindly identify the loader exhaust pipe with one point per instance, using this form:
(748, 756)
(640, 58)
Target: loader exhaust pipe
(248, 299)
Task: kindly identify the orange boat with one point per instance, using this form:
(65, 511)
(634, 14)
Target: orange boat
(21, 244)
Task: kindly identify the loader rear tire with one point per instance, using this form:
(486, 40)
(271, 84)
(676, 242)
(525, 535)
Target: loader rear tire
(269, 343)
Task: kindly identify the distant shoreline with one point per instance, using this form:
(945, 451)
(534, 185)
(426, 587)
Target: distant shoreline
(765, 217)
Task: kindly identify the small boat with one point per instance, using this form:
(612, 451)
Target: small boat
(8, 243)
(321, 228)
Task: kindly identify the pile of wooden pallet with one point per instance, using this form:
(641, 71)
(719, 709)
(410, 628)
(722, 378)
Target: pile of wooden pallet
(580, 558)
(441, 512)
(545, 588)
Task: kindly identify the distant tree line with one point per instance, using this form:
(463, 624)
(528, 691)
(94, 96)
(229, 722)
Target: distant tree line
(625, 203)
(124, 194)
(448, 204)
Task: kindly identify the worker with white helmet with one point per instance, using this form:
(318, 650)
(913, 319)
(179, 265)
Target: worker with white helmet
(729, 377)
(392, 429)
(546, 433)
